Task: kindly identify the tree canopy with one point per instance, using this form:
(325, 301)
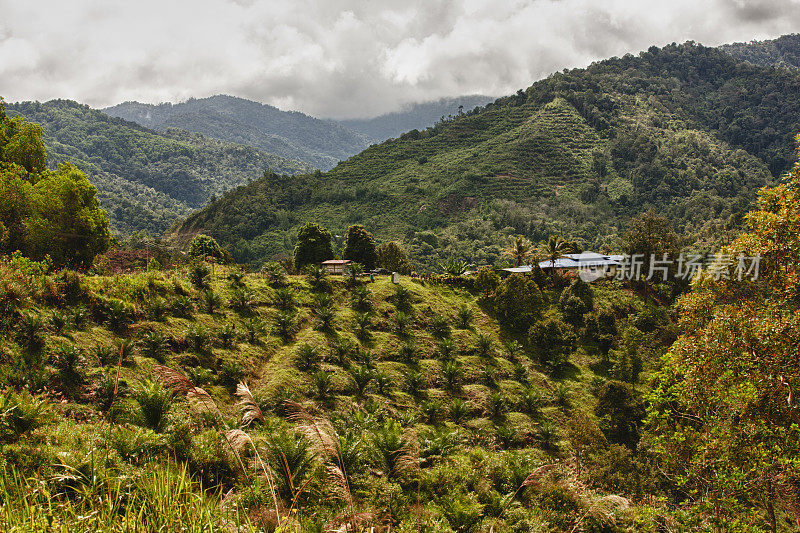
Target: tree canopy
(314, 245)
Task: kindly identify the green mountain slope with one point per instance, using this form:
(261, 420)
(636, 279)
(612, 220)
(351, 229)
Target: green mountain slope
(145, 179)
(416, 116)
(686, 130)
(321, 143)
(783, 52)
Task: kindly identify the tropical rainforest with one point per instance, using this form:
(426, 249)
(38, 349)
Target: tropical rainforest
(145, 179)
(226, 381)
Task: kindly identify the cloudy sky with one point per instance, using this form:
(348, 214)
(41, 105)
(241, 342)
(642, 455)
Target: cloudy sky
(341, 58)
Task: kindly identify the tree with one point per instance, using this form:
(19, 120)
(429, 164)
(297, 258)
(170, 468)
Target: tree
(392, 256)
(486, 281)
(557, 247)
(652, 236)
(519, 249)
(314, 245)
(518, 302)
(621, 413)
(359, 246)
(554, 340)
(724, 410)
(206, 248)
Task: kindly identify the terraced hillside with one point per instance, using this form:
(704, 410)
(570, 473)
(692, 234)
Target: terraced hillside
(685, 130)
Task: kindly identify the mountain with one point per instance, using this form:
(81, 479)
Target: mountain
(145, 179)
(783, 52)
(686, 130)
(416, 116)
(293, 135)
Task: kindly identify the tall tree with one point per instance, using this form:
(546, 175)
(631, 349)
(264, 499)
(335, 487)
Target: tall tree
(314, 245)
(359, 246)
(724, 410)
(519, 249)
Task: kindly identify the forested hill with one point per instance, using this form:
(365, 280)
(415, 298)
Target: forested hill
(415, 116)
(686, 129)
(321, 143)
(783, 52)
(145, 179)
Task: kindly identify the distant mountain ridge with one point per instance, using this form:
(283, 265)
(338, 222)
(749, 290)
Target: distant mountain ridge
(146, 179)
(783, 52)
(417, 116)
(289, 134)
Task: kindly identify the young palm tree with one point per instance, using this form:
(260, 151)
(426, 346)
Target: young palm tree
(519, 249)
(555, 248)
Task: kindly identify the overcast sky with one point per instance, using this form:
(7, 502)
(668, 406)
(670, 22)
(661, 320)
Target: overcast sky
(341, 58)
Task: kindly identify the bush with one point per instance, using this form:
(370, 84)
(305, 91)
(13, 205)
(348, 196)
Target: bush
(307, 357)
(317, 277)
(363, 323)
(154, 344)
(518, 302)
(621, 412)
(439, 327)
(118, 315)
(573, 310)
(182, 306)
(275, 274)
(284, 299)
(21, 413)
(486, 281)
(210, 301)
(242, 300)
(285, 325)
(199, 276)
(553, 340)
(226, 335)
(28, 333)
(464, 317)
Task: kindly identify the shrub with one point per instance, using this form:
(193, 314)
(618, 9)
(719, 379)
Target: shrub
(416, 384)
(464, 317)
(325, 318)
(284, 299)
(402, 297)
(253, 329)
(383, 382)
(242, 300)
(518, 302)
(452, 374)
(322, 381)
(236, 279)
(486, 281)
(21, 413)
(462, 511)
(154, 344)
(439, 327)
(361, 377)
(554, 341)
(205, 247)
(226, 335)
(275, 274)
(402, 322)
(70, 285)
(231, 372)
(157, 309)
(342, 349)
(58, 322)
(110, 355)
(198, 338)
(209, 301)
(573, 310)
(199, 276)
(149, 406)
(28, 333)
(361, 299)
(408, 353)
(363, 323)
(459, 410)
(182, 306)
(317, 277)
(307, 357)
(285, 325)
(581, 290)
(484, 347)
(446, 349)
(621, 412)
(118, 315)
(71, 365)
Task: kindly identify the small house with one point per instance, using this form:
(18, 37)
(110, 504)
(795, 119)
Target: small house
(336, 266)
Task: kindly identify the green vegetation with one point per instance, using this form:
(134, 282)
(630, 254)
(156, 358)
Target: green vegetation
(45, 216)
(291, 135)
(687, 131)
(145, 179)
(330, 399)
(783, 52)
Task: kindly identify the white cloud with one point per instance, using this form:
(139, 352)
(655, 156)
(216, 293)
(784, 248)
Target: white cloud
(341, 58)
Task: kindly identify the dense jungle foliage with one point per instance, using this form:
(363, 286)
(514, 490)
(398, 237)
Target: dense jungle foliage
(686, 130)
(145, 179)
